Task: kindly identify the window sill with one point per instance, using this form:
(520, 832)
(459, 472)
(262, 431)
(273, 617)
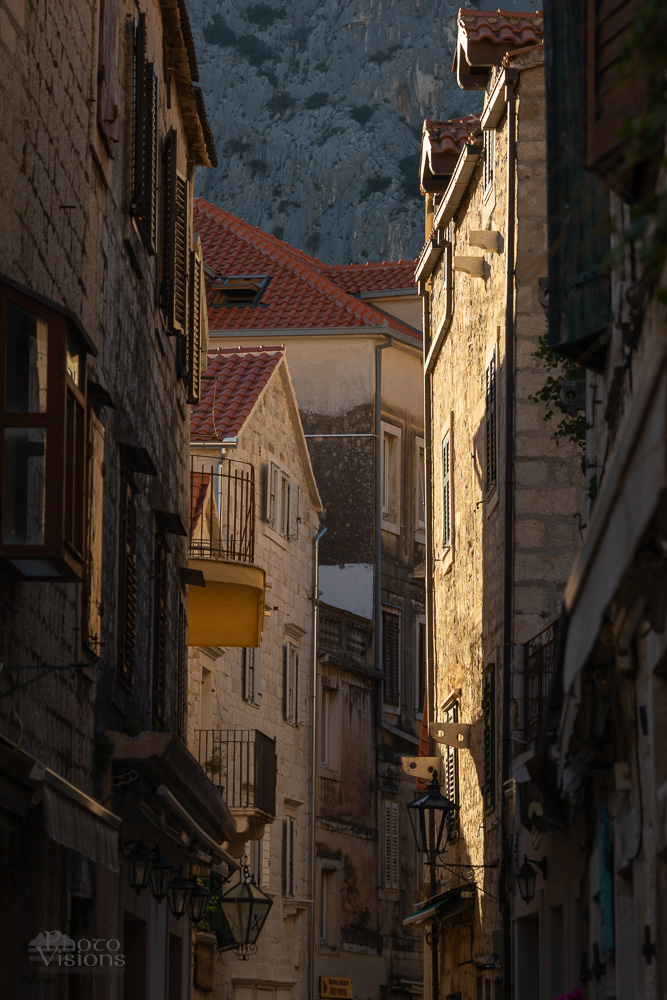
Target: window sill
(488, 206)
(391, 527)
(447, 558)
(420, 536)
(492, 498)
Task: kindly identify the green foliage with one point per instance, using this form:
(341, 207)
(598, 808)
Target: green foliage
(301, 35)
(269, 75)
(362, 114)
(409, 167)
(280, 103)
(322, 66)
(103, 751)
(316, 100)
(254, 49)
(263, 14)
(376, 184)
(217, 32)
(380, 57)
(278, 232)
(568, 426)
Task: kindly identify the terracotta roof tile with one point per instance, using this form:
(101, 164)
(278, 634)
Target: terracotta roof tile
(511, 29)
(303, 292)
(450, 136)
(234, 381)
(372, 277)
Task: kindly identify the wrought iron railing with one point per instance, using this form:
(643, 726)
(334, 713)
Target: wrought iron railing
(222, 511)
(538, 671)
(242, 763)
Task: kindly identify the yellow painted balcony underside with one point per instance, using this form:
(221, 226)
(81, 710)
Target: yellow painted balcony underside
(229, 610)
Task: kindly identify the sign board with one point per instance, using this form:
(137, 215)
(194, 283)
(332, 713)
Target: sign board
(331, 986)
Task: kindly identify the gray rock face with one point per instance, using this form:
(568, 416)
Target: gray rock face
(317, 107)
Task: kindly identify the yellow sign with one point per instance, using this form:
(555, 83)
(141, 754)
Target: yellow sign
(332, 987)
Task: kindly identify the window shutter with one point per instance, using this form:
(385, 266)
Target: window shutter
(182, 671)
(150, 164)
(294, 497)
(491, 422)
(578, 204)
(181, 256)
(391, 636)
(450, 765)
(288, 856)
(285, 682)
(252, 675)
(421, 665)
(127, 582)
(144, 198)
(295, 681)
(168, 225)
(194, 325)
(160, 624)
(488, 715)
(446, 495)
(272, 473)
(107, 109)
(390, 859)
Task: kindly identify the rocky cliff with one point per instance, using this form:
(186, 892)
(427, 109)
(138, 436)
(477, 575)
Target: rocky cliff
(317, 107)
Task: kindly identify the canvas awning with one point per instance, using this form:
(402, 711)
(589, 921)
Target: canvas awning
(446, 904)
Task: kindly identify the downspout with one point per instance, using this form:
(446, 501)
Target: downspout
(508, 539)
(429, 602)
(313, 762)
(377, 601)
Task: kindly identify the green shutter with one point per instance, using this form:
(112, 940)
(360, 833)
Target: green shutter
(488, 715)
(578, 204)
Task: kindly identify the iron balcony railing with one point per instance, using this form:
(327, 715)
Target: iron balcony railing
(242, 763)
(222, 511)
(538, 671)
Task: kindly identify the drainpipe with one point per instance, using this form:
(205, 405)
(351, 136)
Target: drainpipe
(378, 514)
(508, 540)
(313, 762)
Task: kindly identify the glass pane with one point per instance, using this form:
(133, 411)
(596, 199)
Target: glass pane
(23, 501)
(25, 384)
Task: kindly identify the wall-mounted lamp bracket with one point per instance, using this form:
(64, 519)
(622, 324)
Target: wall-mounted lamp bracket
(422, 767)
(452, 734)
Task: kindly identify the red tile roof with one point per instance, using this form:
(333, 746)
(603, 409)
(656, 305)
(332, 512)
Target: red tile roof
(508, 28)
(303, 292)
(450, 136)
(234, 381)
(372, 277)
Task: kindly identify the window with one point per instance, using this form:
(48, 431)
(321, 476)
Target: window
(391, 487)
(390, 844)
(490, 422)
(174, 238)
(181, 715)
(289, 875)
(282, 503)
(421, 485)
(488, 153)
(291, 684)
(127, 580)
(420, 665)
(391, 656)
(239, 290)
(257, 861)
(328, 909)
(252, 675)
(446, 494)
(488, 715)
(42, 438)
(450, 786)
(330, 728)
(160, 631)
(144, 174)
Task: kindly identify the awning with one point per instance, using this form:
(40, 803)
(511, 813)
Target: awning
(446, 904)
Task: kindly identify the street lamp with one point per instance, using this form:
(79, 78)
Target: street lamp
(245, 909)
(198, 900)
(433, 809)
(527, 877)
(139, 866)
(179, 893)
(160, 876)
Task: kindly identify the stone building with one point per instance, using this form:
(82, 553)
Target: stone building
(250, 707)
(594, 791)
(502, 497)
(102, 321)
(352, 339)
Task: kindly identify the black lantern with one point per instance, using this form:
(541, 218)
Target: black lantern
(160, 876)
(139, 866)
(432, 803)
(527, 877)
(245, 908)
(179, 893)
(198, 900)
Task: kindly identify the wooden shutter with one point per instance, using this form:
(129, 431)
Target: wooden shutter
(451, 771)
(491, 422)
(168, 225)
(295, 685)
(421, 666)
(578, 204)
(93, 580)
(613, 92)
(107, 109)
(249, 674)
(181, 255)
(294, 497)
(286, 682)
(288, 856)
(194, 330)
(391, 660)
(390, 859)
(446, 495)
(488, 715)
(144, 199)
(160, 631)
(271, 482)
(181, 720)
(127, 582)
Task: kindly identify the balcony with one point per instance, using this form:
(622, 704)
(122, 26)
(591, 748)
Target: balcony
(538, 670)
(229, 610)
(242, 763)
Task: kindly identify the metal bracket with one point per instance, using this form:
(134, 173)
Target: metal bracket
(421, 767)
(452, 734)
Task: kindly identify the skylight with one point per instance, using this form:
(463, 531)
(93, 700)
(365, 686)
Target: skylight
(239, 289)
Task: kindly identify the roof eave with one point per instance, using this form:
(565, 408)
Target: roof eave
(470, 154)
